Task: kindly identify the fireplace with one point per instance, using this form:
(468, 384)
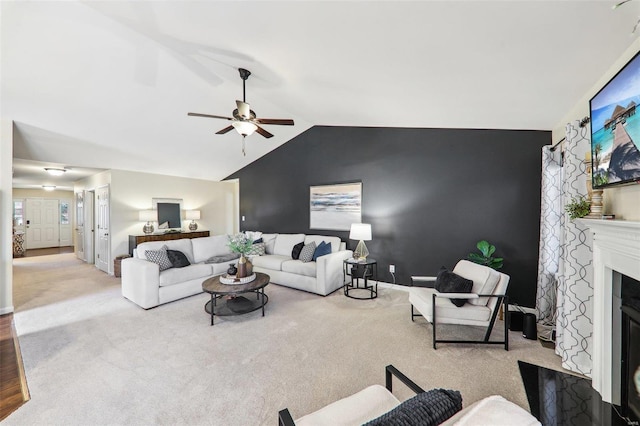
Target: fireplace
(616, 262)
(630, 380)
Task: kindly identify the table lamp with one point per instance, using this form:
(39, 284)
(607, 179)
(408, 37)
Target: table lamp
(148, 216)
(193, 215)
(362, 232)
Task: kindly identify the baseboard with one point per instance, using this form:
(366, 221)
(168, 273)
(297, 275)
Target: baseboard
(7, 310)
(393, 286)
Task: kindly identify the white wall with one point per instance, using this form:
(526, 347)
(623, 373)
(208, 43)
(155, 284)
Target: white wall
(132, 191)
(623, 201)
(6, 215)
(41, 193)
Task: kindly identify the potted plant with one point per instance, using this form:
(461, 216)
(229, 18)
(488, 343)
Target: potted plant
(578, 207)
(485, 256)
(240, 243)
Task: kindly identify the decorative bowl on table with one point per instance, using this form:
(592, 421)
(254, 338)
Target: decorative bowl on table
(232, 279)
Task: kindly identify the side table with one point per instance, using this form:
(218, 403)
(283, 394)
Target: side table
(360, 270)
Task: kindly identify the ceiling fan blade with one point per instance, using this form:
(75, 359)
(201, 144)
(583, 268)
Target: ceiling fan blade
(279, 121)
(196, 114)
(244, 109)
(263, 132)
(225, 130)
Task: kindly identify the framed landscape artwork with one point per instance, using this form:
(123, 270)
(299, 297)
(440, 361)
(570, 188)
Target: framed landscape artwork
(335, 207)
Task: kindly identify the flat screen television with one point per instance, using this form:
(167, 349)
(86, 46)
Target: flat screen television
(169, 214)
(615, 129)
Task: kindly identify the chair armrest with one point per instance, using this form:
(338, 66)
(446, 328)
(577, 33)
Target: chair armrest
(457, 295)
(285, 419)
(390, 371)
(422, 278)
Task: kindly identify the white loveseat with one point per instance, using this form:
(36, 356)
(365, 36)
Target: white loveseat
(323, 276)
(144, 284)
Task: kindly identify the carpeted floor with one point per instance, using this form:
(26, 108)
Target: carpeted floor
(93, 357)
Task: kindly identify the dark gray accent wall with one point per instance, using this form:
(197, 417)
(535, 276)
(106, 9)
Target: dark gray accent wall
(429, 194)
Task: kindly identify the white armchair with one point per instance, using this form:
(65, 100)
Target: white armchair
(481, 309)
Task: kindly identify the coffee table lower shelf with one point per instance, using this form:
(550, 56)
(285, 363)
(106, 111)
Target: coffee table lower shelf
(237, 305)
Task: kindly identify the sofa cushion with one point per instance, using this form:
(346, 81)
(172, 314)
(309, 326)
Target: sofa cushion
(306, 255)
(270, 241)
(356, 409)
(295, 253)
(180, 275)
(270, 261)
(183, 245)
(484, 279)
(178, 259)
(449, 282)
(334, 241)
(322, 250)
(205, 247)
(299, 267)
(160, 257)
(285, 242)
(429, 408)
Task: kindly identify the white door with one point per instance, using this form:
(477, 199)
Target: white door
(102, 214)
(66, 236)
(42, 223)
(80, 225)
(18, 214)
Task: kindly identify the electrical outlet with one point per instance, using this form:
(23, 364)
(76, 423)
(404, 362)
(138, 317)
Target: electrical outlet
(392, 268)
(243, 218)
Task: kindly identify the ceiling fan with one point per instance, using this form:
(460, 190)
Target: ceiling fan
(244, 119)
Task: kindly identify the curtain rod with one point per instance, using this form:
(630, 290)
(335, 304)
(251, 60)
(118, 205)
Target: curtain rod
(554, 146)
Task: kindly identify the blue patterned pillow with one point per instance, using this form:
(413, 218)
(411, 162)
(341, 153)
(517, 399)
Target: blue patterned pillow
(306, 255)
(321, 250)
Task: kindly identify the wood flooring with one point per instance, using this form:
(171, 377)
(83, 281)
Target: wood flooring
(13, 384)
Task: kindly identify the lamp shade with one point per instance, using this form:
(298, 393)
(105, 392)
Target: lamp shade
(360, 231)
(245, 128)
(148, 215)
(192, 214)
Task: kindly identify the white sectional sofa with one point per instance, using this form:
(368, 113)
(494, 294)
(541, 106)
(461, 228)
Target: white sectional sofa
(144, 284)
(324, 276)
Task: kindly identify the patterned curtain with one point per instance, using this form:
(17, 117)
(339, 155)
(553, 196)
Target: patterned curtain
(550, 229)
(574, 326)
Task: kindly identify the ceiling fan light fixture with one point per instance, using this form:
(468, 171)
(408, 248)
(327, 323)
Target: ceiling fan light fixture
(54, 171)
(245, 128)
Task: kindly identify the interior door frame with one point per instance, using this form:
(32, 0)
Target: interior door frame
(89, 226)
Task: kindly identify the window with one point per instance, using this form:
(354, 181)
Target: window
(18, 213)
(65, 218)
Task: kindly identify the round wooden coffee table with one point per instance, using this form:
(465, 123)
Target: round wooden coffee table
(225, 299)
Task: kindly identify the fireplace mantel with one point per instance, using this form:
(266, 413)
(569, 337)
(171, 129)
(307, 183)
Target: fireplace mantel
(616, 248)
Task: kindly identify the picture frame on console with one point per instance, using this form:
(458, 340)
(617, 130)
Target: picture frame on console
(169, 214)
(335, 206)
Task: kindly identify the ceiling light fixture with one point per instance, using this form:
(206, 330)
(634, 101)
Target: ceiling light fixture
(48, 187)
(54, 171)
(245, 128)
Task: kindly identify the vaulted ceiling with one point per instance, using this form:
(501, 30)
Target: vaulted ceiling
(109, 84)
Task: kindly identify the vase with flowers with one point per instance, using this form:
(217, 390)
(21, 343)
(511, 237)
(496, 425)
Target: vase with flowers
(240, 243)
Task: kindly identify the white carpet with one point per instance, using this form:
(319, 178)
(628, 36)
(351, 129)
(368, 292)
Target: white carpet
(93, 357)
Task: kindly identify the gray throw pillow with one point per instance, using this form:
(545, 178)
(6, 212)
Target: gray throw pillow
(306, 254)
(178, 259)
(160, 257)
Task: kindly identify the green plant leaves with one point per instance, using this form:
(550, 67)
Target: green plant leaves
(484, 258)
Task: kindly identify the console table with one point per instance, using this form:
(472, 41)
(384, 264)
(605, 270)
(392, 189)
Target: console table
(134, 240)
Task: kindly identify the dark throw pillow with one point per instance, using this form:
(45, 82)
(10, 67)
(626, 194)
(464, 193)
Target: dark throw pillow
(321, 250)
(295, 253)
(425, 409)
(258, 241)
(178, 258)
(448, 282)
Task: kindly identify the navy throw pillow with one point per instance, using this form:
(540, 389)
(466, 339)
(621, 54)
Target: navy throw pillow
(321, 250)
(448, 282)
(295, 253)
(177, 259)
(425, 409)
(259, 240)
